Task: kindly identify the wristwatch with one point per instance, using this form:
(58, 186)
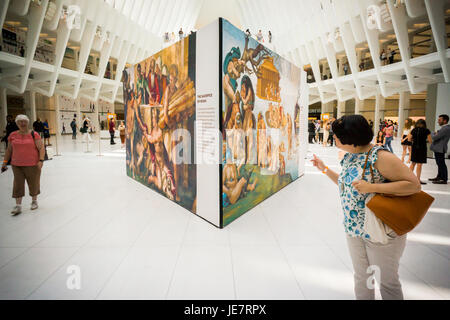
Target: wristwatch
(325, 170)
(41, 160)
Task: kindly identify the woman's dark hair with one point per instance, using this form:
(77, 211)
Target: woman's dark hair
(353, 130)
(421, 123)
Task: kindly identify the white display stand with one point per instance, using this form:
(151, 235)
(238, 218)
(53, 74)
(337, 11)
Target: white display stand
(238, 82)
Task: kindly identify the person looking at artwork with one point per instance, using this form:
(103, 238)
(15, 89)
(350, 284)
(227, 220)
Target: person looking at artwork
(353, 135)
(26, 153)
(419, 137)
(112, 130)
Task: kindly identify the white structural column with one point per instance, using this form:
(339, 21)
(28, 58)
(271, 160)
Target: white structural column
(436, 14)
(358, 105)
(379, 111)
(78, 105)
(400, 24)
(58, 123)
(3, 109)
(340, 108)
(32, 105)
(403, 110)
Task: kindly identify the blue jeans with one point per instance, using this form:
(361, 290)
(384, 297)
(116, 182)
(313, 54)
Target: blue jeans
(388, 143)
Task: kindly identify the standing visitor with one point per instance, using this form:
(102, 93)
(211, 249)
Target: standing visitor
(26, 153)
(73, 125)
(391, 56)
(346, 68)
(361, 66)
(38, 127)
(330, 137)
(380, 141)
(326, 133)
(353, 135)
(85, 128)
(180, 33)
(389, 135)
(439, 146)
(383, 57)
(311, 131)
(247, 33)
(46, 132)
(122, 134)
(112, 127)
(321, 131)
(317, 124)
(11, 126)
(270, 37)
(259, 36)
(419, 137)
(406, 144)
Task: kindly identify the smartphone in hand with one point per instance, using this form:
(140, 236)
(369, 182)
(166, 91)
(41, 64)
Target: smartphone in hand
(4, 169)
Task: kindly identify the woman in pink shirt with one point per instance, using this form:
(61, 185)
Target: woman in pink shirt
(389, 134)
(26, 152)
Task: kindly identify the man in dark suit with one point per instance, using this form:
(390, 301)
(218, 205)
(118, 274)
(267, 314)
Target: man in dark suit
(311, 131)
(439, 146)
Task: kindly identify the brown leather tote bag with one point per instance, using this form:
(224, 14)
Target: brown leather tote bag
(401, 213)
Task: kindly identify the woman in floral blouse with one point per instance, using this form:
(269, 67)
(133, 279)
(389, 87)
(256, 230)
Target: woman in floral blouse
(390, 176)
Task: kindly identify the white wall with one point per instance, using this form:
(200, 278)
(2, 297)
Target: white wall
(213, 9)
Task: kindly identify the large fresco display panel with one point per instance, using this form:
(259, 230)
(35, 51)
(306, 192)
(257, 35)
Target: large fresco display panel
(159, 98)
(261, 117)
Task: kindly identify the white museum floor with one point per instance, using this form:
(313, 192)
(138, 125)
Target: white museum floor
(131, 243)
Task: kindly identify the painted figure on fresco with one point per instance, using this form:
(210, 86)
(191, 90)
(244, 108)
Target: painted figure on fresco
(250, 54)
(153, 84)
(160, 110)
(231, 74)
(161, 171)
(261, 143)
(248, 103)
(142, 84)
(236, 185)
